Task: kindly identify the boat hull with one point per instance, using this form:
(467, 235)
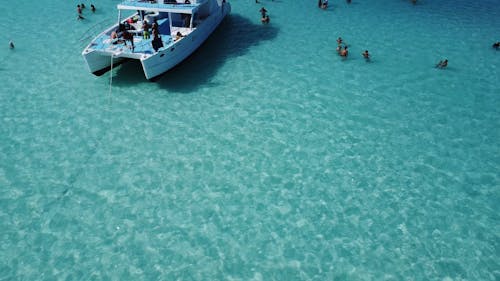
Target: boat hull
(165, 59)
(99, 63)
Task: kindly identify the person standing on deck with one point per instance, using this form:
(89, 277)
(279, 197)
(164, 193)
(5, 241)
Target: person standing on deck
(154, 27)
(127, 36)
(145, 29)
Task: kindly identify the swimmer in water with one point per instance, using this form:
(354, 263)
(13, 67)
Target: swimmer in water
(344, 52)
(92, 8)
(265, 19)
(263, 12)
(11, 44)
(496, 45)
(442, 63)
(79, 11)
(324, 5)
(366, 55)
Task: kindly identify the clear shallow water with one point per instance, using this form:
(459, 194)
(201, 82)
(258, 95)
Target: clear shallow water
(264, 156)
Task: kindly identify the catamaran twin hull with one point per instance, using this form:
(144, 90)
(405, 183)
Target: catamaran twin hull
(180, 29)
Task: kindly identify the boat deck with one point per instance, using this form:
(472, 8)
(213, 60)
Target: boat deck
(142, 46)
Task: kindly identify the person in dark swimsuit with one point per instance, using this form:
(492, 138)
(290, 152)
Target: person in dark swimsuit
(366, 55)
(442, 64)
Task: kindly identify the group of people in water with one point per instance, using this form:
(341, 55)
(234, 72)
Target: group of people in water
(323, 4)
(342, 50)
(79, 9)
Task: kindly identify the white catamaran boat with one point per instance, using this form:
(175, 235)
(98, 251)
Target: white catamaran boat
(160, 34)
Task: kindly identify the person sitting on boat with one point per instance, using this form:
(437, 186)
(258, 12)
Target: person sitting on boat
(178, 35)
(265, 19)
(442, 63)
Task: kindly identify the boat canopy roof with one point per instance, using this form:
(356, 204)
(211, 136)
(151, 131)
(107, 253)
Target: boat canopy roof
(146, 5)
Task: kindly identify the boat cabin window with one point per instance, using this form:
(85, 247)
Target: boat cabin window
(181, 20)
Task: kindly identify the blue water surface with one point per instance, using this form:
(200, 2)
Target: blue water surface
(264, 155)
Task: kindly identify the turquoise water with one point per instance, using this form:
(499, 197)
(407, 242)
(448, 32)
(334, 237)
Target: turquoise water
(264, 156)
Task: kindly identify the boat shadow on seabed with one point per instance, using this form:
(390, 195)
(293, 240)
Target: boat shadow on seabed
(234, 37)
